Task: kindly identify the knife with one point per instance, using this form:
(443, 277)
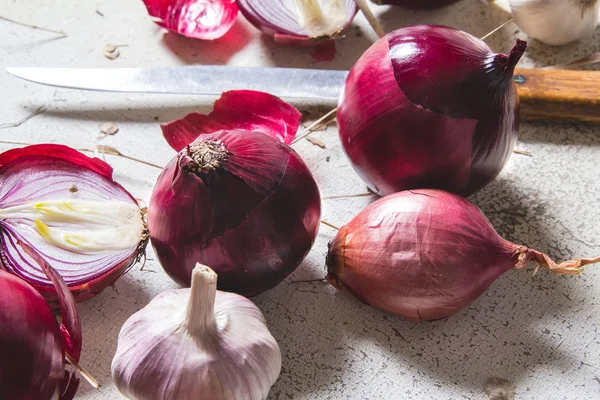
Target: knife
(545, 95)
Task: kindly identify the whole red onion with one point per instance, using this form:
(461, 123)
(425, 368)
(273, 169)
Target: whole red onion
(33, 345)
(426, 254)
(62, 206)
(430, 107)
(240, 201)
(425, 4)
(299, 21)
(197, 19)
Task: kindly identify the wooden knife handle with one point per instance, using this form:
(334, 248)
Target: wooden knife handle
(559, 95)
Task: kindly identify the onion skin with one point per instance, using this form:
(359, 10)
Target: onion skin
(425, 255)
(21, 170)
(417, 4)
(32, 346)
(253, 217)
(445, 114)
(245, 110)
(196, 19)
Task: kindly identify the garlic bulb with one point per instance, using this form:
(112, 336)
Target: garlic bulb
(556, 22)
(196, 343)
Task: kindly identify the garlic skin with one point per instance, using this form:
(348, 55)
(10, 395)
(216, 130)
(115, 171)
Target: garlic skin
(196, 343)
(556, 22)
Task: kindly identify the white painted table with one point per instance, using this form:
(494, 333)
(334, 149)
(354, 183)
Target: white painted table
(539, 332)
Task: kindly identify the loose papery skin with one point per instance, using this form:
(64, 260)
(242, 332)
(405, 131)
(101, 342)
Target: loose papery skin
(299, 21)
(64, 207)
(556, 22)
(196, 19)
(430, 107)
(246, 110)
(426, 254)
(425, 4)
(196, 343)
(32, 345)
(240, 201)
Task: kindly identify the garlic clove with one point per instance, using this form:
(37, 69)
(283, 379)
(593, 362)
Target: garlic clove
(196, 343)
(556, 22)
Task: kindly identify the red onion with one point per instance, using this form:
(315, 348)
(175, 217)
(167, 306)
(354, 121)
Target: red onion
(64, 207)
(299, 21)
(430, 107)
(237, 200)
(32, 345)
(425, 4)
(197, 19)
(426, 254)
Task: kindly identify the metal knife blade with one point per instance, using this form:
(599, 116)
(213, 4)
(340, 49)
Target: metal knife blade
(201, 79)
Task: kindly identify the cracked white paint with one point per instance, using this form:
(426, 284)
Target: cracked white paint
(540, 333)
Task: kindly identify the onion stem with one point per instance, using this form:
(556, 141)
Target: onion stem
(312, 127)
(61, 33)
(366, 10)
(37, 111)
(348, 196)
(330, 225)
(86, 375)
(497, 29)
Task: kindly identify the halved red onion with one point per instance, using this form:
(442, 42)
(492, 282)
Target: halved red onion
(61, 207)
(237, 110)
(426, 254)
(299, 21)
(425, 4)
(240, 200)
(197, 19)
(430, 107)
(32, 345)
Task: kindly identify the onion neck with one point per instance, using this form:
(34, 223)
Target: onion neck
(508, 63)
(572, 267)
(200, 320)
(206, 156)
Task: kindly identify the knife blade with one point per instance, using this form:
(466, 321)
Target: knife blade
(197, 80)
(545, 94)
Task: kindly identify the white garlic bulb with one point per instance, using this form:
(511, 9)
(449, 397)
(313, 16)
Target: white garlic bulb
(197, 343)
(556, 22)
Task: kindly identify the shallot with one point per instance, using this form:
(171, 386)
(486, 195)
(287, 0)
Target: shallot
(426, 254)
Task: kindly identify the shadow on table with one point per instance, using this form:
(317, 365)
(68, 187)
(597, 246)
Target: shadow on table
(560, 134)
(219, 51)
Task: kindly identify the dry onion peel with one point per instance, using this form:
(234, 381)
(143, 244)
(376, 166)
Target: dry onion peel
(240, 110)
(426, 254)
(197, 19)
(63, 208)
(196, 343)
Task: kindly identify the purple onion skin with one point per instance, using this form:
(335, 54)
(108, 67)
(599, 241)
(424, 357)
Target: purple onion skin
(426, 254)
(417, 4)
(253, 218)
(430, 107)
(31, 349)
